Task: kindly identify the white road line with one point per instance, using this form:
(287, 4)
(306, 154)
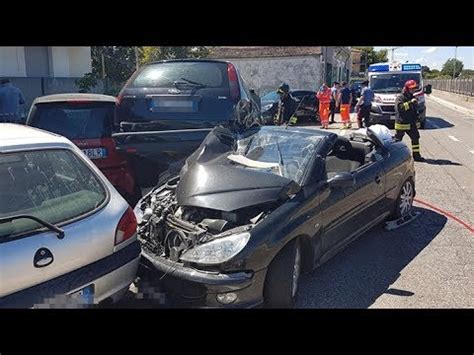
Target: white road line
(454, 139)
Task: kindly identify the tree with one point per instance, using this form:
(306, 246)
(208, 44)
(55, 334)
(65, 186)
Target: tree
(467, 73)
(87, 82)
(150, 54)
(119, 62)
(425, 70)
(449, 67)
(371, 56)
(432, 74)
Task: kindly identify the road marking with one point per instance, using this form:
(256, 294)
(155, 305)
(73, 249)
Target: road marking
(452, 106)
(471, 151)
(454, 139)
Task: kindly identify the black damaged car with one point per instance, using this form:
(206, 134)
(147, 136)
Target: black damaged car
(249, 212)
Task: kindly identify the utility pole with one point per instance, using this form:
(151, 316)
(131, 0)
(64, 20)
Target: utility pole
(136, 57)
(455, 58)
(103, 65)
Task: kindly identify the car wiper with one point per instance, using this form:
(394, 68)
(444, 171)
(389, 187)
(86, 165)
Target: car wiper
(51, 227)
(187, 81)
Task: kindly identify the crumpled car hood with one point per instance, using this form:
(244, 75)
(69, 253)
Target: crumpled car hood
(210, 180)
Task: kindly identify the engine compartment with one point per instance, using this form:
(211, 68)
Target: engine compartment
(167, 229)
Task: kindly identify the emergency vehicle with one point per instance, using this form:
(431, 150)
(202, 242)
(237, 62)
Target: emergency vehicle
(386, 81)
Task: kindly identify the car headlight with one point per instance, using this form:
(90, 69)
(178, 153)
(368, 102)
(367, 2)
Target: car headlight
(217, 251)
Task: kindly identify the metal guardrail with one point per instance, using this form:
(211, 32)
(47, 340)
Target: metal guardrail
(457, 86)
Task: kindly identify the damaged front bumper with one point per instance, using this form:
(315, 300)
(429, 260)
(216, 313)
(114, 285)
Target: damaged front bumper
(189, 287)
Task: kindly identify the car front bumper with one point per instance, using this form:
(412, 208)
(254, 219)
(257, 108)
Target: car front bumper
(188, 287)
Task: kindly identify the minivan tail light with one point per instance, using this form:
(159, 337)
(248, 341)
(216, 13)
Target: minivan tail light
(233, 83)
(127, 227)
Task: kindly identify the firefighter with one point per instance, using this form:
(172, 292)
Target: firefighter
(406, 120)
(285, 108)
(324, 97)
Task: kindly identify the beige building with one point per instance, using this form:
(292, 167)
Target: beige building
(358, 64)
(48, 62)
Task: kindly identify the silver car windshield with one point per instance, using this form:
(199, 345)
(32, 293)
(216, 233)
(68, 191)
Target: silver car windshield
(53, 185)
(284, 152)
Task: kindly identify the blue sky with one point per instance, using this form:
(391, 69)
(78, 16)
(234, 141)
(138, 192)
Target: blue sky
(433, 57)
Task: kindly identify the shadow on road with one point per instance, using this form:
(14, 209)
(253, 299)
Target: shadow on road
(437, 123)
(364, 271)
(440, 162)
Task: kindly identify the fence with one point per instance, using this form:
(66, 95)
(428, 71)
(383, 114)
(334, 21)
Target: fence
(458, 86)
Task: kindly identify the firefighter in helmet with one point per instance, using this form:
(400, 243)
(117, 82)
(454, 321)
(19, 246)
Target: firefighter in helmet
(407, 117)
(283, 111)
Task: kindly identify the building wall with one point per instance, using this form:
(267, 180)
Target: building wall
(266, 74)
(12, 61)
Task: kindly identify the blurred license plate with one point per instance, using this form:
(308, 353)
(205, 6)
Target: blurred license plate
(85, 295)
(95, 153)
(166, 104)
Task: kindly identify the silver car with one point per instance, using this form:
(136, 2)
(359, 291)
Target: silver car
(67, 238)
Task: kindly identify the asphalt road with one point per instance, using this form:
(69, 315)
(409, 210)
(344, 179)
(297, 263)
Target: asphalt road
(428, 263)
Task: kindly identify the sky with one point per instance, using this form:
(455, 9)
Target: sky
(433, 57)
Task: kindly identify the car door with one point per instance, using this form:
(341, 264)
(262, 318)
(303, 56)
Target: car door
(346, 211)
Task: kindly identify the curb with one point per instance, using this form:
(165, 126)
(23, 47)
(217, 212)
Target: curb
(451, 105)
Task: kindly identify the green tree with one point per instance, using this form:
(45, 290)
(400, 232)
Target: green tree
(119, 62)
(467, 73)
(452, 65)
(87, 82)
(150, 54)
(371, 56)
(425, 70)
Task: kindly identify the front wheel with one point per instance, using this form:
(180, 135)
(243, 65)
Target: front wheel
(281, 283)
(405, 198)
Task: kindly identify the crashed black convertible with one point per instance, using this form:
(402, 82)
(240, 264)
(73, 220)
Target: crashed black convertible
(249, 212)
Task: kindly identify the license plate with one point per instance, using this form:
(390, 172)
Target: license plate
(165, 104)
(95, 153)
(84, 295)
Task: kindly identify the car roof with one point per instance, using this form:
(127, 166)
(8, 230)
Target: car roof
(188, 60)
(75, 97)
(18, 137)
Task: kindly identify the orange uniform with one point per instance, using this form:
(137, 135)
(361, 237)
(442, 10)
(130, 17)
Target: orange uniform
(324, 97)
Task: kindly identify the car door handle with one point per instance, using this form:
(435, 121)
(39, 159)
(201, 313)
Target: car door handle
(378, 179)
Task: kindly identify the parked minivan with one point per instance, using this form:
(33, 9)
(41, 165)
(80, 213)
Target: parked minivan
(67, 237)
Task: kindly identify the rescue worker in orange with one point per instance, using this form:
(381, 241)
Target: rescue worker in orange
(406, 120)
(324, 97)
(344, 99)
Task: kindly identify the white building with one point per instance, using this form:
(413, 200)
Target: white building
(48, 62)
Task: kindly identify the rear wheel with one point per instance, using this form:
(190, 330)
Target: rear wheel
(281, 283)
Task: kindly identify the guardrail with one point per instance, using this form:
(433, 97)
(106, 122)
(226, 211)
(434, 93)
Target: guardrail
(457, 86)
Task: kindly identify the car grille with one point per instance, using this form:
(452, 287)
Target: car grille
(388, 108)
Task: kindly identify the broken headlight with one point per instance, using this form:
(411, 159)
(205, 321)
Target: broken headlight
(217, 251)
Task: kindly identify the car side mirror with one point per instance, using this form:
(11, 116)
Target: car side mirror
(427, 89)
(342, 180)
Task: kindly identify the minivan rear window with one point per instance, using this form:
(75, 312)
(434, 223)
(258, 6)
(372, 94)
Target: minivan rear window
(75, 120)
(54, 185)
(208, 74)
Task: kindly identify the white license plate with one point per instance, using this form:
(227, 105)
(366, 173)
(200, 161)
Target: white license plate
(95, 153)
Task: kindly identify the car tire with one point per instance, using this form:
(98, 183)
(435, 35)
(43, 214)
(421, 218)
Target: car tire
(281, 282)
(405, 198)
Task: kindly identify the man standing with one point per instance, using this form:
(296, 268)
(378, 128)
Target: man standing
(407, 117)
(285, 108)
(344, 100)
(324, 97)
(10, 100)
(364, 104)
(333, 104)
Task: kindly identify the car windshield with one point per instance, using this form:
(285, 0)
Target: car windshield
(75, 120)
(205, 74)
(284, 152)
(392, 83)
(53, 185)
(272, 96)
